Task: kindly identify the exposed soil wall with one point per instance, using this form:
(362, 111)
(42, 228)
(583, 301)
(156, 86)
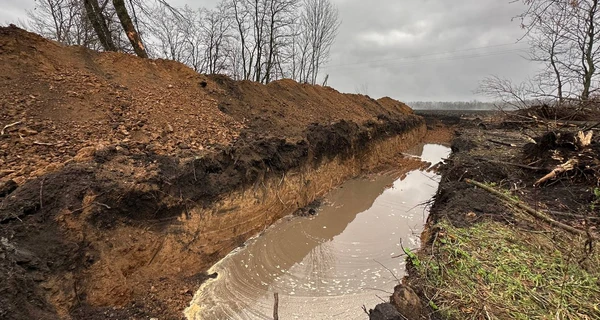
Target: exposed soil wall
(133, 176)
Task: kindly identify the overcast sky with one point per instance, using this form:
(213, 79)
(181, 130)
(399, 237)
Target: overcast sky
(408, 49)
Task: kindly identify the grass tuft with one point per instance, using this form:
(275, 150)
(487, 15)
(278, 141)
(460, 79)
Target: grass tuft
(495, 271)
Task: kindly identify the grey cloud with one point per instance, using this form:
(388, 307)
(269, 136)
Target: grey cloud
(420, 28)
(13, 10)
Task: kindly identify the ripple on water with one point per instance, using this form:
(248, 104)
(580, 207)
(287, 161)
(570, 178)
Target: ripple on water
(328, 266)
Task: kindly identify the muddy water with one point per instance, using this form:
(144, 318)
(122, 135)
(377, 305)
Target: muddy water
(329, 265)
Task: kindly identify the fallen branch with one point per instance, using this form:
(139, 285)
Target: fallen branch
(9, 125)
(364, 308)
(572, 215)
(532, 212)
(591, 127)
(157, 250)
(513, 164)
(390, 271)
(567, 166)
(502, 143)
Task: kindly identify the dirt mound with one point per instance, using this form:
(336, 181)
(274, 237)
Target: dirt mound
(92, 142)
(392, 104)
(61, 100)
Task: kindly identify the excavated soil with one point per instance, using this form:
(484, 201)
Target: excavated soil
(105, 157)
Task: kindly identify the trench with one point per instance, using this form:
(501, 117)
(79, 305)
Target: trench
(328, 265)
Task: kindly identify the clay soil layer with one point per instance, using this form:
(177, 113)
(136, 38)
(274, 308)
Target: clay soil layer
(484, 255)
(122, 180)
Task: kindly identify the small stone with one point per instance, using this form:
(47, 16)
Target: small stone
(183, 146)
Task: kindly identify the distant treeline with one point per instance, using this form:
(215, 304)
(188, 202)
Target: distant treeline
(454, 105)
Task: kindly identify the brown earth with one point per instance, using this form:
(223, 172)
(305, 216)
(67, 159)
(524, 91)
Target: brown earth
(117, 162)
(489, 148)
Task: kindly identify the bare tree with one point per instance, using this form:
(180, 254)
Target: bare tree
(51, 18)
(168, 31)
(216, 32)
(191, 26)
(280, 29)
(64, 21)
(563, 34)
(88, 23)
(587, 32)
(319, 24)
(245, 54)
(517, 96)
(259, 40)
(264, 32)
(549, 45)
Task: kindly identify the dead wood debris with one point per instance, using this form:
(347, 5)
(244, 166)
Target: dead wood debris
(532, 212)
(565, 153)
(567, 166)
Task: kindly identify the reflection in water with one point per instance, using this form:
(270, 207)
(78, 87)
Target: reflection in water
(328, 266)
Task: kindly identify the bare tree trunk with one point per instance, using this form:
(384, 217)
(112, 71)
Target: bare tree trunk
(240, 26)
(269, 66)
(321, 21)
(258, 35)
(98, 22)
(132, 34)
(589, 64)
(559, 84)
(56, 12)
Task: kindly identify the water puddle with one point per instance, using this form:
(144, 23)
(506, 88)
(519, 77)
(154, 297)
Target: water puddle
(330, 265)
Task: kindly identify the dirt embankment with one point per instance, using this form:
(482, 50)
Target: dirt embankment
(122, 180)
(484, 255)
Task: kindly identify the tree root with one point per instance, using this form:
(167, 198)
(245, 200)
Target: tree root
(567, 166)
